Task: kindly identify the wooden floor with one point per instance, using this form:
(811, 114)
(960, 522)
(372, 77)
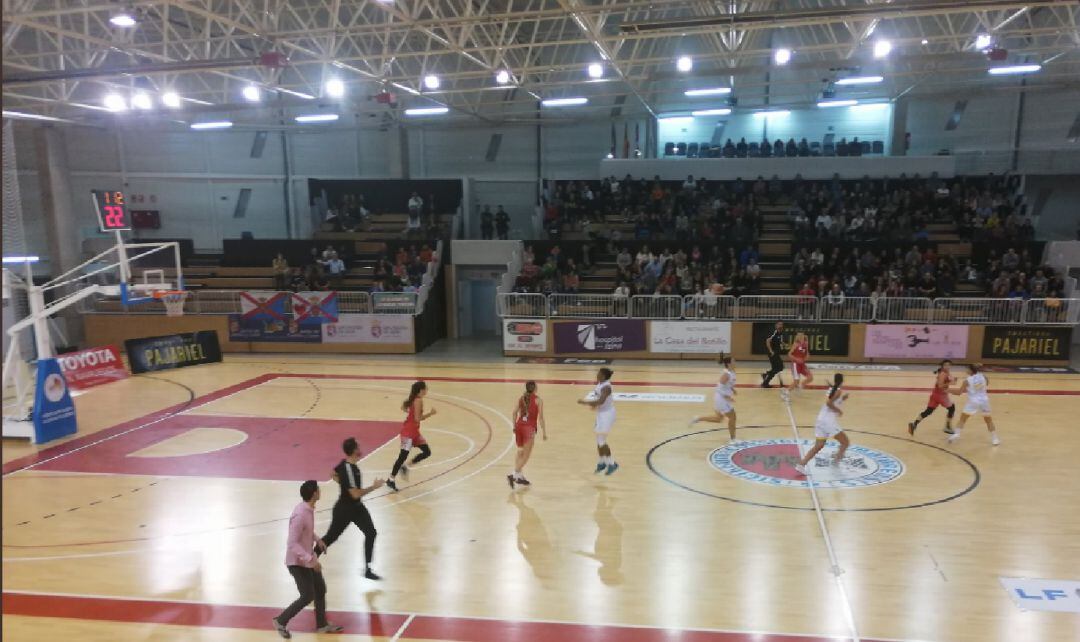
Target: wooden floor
(165, 518)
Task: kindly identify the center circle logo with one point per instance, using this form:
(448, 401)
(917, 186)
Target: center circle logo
(772, 462)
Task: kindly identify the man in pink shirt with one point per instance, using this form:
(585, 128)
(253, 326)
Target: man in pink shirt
(304, 565)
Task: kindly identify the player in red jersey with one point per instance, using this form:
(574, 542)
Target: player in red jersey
(799, 354)
(528, 413)
(410, 432)
(939, 396)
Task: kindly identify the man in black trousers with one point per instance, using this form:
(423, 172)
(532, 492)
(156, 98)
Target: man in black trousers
(775, 346)
(349, 507)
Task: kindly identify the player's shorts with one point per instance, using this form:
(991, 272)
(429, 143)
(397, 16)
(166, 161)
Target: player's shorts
(973, 407)
(827, 428)
(799, 370)
(939, 398)
(413, 440)
(722, 405)
(605, 421)
(523, 434)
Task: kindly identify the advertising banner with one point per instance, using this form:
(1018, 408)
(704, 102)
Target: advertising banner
(315, 308)
(54, 412)
(287, 330)
(394, 301)
(826, 339)
(266, 306)
(897, 341)
(608, 335)
(92, 367)
(698, 337)
(1026, 342)
(369, 328)
(173, 351)
(525, 335)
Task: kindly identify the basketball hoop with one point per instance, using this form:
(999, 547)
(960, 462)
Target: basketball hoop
(173, 300)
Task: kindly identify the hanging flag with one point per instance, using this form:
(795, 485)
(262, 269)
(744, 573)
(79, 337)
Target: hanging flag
(264, 306)
(637, 139)
(626, 140)
(311, 308)
(614, 144)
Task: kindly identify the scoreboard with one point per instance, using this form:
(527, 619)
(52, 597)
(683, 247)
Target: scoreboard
(111, 208)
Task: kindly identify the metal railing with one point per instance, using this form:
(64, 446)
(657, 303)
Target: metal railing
(228, 302)
(793, 308)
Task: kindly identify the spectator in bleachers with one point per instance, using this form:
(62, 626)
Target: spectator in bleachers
(335, 270)
(487, 223)
(297, 282)
(281, 272)
(502, 223)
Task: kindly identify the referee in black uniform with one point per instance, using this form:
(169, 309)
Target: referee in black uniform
(349, 508)
(774, 345)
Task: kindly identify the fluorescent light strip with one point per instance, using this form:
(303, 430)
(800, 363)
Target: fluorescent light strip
(196, 101)
(860, 80)
(21, 259)
(769, 114)
(715, 91)
(1014, 69)
(298, 94)
(426, 111)
(26, 116)
(316, 118)
(213, 124)
(870, 106)
(677, 119)
(711, 112)
(564, 102)
(837, 103)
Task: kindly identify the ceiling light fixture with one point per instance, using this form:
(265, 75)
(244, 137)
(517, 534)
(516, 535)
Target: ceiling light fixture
(142, 100)
(837, 103)
(426, 111)
(115, 102)
(781, 56)
(714, 91)
(122, 19)
(684, 63)
(596, 70)
(564, 102)
(772, 113)
(335, 88)
(213, 124)
(431, 81)
(170, 99)
(316, 118)
(982, 41)
(1014, 69)
(676, 120)
(251, 93)
(860, 80)
(711, 112)
(882, 48)
(502, 77)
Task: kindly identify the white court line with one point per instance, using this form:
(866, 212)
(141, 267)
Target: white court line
(401, 630)
(484, 618)
(849, 615)
(276, 528)
(130, 430)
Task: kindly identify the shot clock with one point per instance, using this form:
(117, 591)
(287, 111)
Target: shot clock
(111, 210)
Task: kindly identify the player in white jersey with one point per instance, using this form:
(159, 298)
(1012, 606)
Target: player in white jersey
(724, 399)
(828, 425)
(978, 400)
(602, 401)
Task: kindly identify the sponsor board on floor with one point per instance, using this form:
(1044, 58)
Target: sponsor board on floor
(92, 367)
(1043, 595)
(566, 361)
(525, 335)
(690, 337)
(865, 367)
(661, 397)
(173, 351)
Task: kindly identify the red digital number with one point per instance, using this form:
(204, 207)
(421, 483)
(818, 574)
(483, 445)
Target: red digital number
(114, 216)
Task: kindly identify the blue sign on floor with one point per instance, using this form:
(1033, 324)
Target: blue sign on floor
(54, 411)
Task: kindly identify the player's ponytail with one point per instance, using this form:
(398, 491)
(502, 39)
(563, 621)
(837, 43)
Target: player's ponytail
(414, 392)
(838, 380)
(523, 403)
(606, 373)
(725, 359)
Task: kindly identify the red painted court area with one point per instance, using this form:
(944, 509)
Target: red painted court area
(277, 449)
(448, 629)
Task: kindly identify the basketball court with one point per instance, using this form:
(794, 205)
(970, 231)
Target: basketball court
(165, 518)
